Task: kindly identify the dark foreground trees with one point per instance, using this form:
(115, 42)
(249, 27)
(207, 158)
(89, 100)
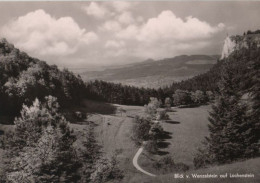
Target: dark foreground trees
(234, 119)
(41, 149)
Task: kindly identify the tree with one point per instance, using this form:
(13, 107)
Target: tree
(168, 103)
(198, 97)
(181, 97)
(232, 132)
(40, 149)
(140, 130)
(151, 108)
(106, 170)
(253, 76)
(89, 155)
(210, 95)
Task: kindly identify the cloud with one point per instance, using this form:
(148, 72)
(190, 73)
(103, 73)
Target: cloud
(126, 18)
(96, 10)
(41, 34)
(121, 6)
(111, 25)
(167, 26)
(114, 44)
(129, 32)
(167, 35)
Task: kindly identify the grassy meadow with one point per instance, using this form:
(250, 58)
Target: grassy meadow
(185, 130)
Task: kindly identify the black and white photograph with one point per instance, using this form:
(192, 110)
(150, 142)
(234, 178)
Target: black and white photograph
(130, 91)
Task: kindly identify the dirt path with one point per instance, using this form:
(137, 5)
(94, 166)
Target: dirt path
(135, 162)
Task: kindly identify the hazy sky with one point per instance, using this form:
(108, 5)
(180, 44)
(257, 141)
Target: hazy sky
(78, 34)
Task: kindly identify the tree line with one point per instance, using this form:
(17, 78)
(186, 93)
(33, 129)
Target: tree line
(24, 78)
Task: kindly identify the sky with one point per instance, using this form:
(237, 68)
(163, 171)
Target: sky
(89, 34)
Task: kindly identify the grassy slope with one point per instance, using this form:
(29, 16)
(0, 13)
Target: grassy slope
(188, 134)
(113, 132)
(187, 128)
(248, 166)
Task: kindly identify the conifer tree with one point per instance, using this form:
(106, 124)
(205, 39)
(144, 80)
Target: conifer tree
(231, 130)
(40, 149)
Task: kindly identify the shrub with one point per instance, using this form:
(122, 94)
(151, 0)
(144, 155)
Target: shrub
(151, 146)
(140, 130)
(162, 115)
(151, 108)
(167, 104)
(106, 170)
(167, 165)
(181, 97)
(155, 131)
(203, 157)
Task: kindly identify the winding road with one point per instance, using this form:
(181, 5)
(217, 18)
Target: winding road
(135, 162)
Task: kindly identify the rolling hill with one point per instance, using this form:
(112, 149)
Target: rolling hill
(155, 74)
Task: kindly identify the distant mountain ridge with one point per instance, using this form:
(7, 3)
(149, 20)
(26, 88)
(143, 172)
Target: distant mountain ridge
(155, 74)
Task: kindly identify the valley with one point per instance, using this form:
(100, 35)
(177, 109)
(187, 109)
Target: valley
(187, 128)
(78, 104)
(155, 74)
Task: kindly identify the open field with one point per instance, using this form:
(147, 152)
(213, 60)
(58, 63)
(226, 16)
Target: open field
(189, 127)
(185, 131)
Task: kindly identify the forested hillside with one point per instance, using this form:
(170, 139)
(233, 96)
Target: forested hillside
(130, 95)
(155, 74)
(206, 82)
(24, 78)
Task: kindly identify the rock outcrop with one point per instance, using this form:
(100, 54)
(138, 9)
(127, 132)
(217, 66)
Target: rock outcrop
(233, 43)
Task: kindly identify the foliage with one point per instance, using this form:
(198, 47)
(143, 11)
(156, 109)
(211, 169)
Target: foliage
(198, 97)
(140, 130)
(203, 157)
(162, 115)
(151, 146)
(168, 103)
(40, 149)
(167, 165)
(210, 96)
(152, 107)
(181, 97)
(234, 119)
(89, 155)
(24, 78)
(105, 170)
(118, 93)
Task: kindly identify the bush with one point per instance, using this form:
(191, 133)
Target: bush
(162, 115)
(167, 104)
(140, 130)
(203, 158)
(151, 108)
(181, 97)
(155, 131)
(167, 165)
(151, 146)
(106, 170)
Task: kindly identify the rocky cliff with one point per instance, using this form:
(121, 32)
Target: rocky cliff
(232, 43)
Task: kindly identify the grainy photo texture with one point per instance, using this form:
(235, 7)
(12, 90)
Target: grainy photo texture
(130, 92)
